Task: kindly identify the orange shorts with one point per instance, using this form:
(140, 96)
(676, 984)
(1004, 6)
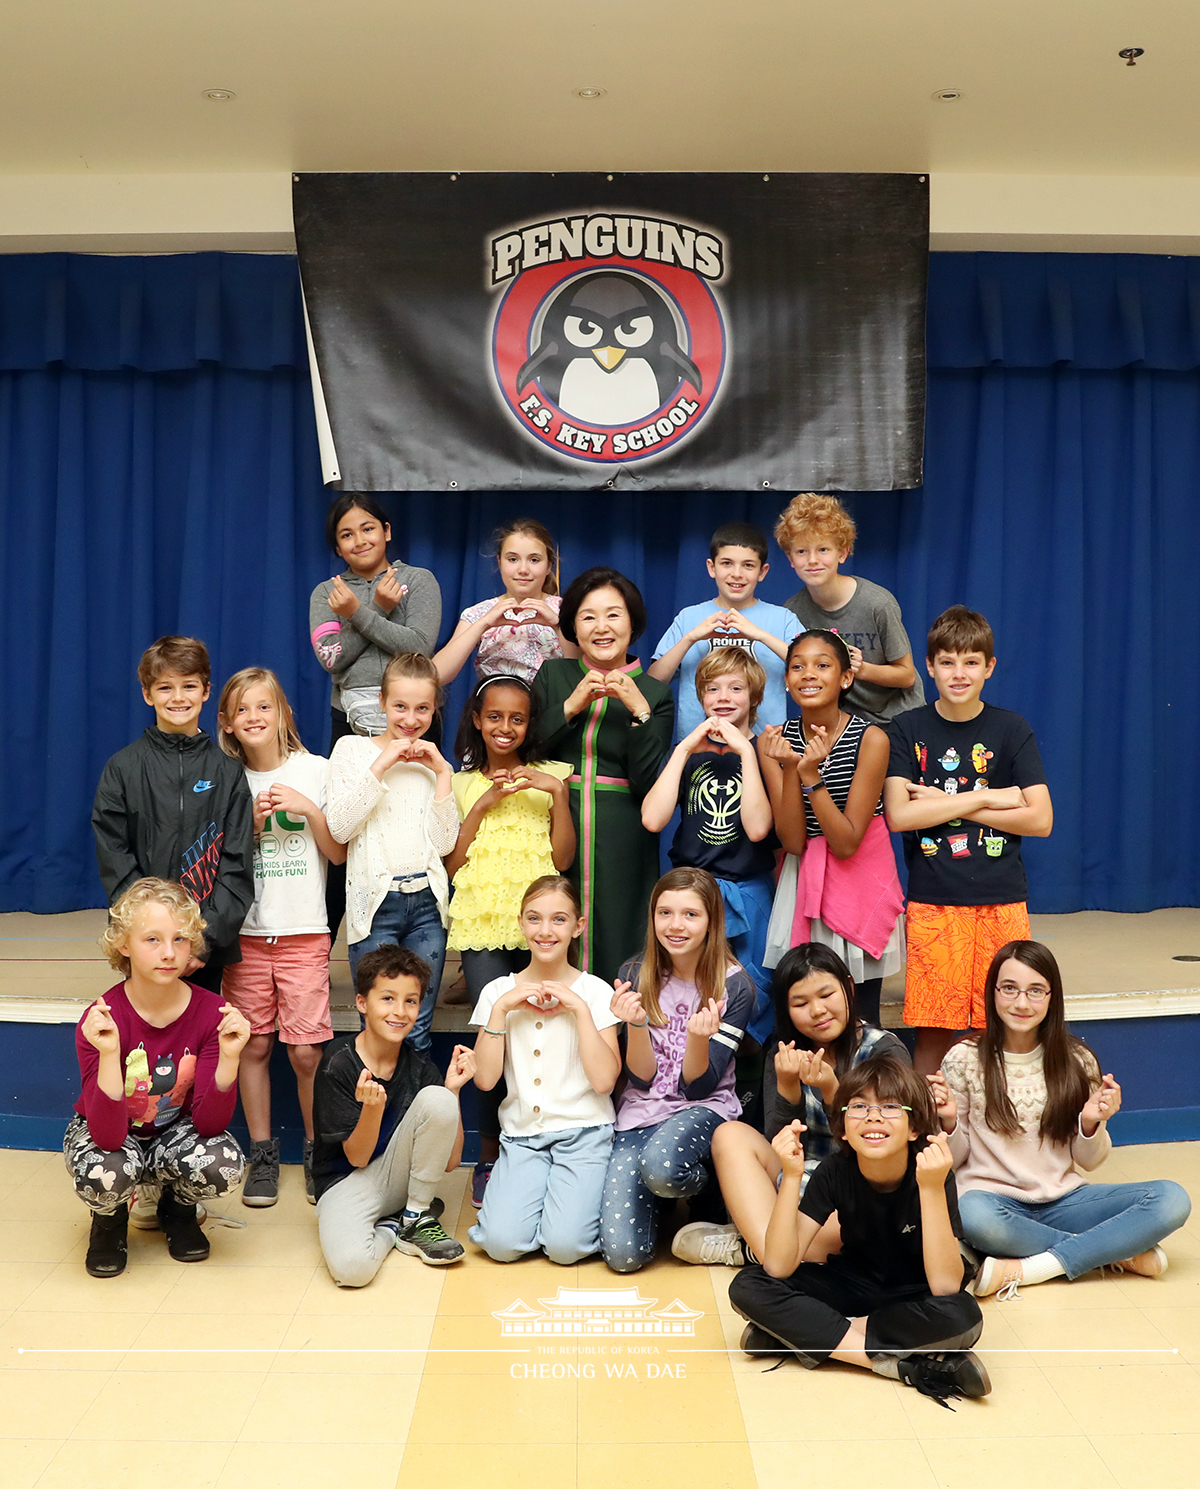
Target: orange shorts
(284, 978)
(950, 948)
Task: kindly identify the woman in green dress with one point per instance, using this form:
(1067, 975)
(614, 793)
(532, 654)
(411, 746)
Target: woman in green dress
(613, 723)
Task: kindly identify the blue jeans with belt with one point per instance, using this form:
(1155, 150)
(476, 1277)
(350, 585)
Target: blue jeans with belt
(414, 921)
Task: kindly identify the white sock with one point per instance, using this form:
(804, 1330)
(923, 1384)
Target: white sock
(410, 1215)
(1040, 1268)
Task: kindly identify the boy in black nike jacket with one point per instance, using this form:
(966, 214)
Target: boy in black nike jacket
(172, 805)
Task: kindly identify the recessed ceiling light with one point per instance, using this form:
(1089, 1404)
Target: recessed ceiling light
(590, 92)
(219, 95)
(947, 95)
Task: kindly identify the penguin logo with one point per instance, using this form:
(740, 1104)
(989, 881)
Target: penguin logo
(607, 354)
(609, 351)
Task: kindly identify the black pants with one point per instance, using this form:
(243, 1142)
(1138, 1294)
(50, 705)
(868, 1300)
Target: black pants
(811, 1310)
(480, 968)
(866, 999)
(208, 976)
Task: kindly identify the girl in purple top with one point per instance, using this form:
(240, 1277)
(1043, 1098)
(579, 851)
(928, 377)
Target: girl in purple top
(685, 1003)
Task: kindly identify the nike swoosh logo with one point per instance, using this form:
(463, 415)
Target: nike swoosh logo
(203, 786)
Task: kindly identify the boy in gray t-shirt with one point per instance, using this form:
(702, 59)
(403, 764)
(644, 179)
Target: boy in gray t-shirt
(817, 535)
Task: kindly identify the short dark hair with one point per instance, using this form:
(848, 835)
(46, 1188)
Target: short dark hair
(794, 966)
(602, 578)
(739, 535)
(346, 503)
(891, 1080)
(183, 654)
(959, 629)
(840, 649)
(390, 961)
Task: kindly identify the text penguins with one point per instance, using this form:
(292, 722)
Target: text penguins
(599, 236)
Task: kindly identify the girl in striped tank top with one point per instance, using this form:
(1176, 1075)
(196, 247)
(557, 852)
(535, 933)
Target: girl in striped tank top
(824, 773)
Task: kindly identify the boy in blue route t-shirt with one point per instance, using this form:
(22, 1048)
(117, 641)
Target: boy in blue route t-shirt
(725, 826)
(738, 562)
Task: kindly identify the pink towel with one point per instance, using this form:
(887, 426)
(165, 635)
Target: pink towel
(858, 897)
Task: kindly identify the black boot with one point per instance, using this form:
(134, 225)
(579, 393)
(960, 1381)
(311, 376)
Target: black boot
(107, 1249)
(185, 1240)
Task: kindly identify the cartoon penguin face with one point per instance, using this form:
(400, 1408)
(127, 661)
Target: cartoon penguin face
(609, 351)
(950, 760)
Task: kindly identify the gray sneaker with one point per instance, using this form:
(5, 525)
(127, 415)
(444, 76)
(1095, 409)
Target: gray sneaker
(310, 1192)
(424, 1237)
(261, 1186)
(703, 1244)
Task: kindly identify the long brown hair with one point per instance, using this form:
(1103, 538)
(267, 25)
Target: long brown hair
(715, 959)
(1066, 1061)
(529, 527)
(556, 884)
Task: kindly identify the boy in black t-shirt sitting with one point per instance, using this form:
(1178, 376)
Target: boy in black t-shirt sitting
(386, 1128)
(893, 1299)
(725, 824)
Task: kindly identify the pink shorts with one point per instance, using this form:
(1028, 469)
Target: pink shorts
(284, 978)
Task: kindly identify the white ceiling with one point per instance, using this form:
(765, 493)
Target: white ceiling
(115, 85)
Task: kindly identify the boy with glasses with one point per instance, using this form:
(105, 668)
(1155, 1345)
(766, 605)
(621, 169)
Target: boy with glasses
(893, 1300)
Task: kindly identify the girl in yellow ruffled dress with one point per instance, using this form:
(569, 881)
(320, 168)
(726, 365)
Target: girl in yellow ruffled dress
(516, 827)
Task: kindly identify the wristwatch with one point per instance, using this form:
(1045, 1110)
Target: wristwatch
(641, 718)
(808, 790)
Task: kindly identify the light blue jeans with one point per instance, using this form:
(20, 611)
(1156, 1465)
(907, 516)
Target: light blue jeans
(544, 1193)
(411, 920)
(1093, 1226)
(661, 1162)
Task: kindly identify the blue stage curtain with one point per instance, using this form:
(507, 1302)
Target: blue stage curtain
(159, 472)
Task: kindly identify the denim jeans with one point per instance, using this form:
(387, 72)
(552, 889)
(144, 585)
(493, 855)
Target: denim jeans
(545, 1192)
(1092, 1226)
(665, 1161)
(411, 920)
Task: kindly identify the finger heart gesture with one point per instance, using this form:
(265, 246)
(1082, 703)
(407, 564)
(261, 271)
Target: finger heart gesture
(368, 1091)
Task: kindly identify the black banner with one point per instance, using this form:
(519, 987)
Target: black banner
(659, 332)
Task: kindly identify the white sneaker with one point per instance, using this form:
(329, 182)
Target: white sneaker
(703, 1244)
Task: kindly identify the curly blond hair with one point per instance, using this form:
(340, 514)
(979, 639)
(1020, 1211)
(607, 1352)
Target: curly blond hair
(812, 513)
(122, 916)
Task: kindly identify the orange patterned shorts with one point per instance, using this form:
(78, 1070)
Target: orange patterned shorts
(950, 948)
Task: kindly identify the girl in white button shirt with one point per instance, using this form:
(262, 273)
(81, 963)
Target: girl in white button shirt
(550, 1031)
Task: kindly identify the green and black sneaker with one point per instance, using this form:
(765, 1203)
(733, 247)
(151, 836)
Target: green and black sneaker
(424, 1237)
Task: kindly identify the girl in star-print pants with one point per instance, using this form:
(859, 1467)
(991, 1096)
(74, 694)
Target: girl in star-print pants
(685, 1004)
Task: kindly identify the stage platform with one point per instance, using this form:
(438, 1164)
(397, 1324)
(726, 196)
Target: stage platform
(1129, 995)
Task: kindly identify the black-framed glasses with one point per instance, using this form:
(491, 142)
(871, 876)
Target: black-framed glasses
(890, 1111)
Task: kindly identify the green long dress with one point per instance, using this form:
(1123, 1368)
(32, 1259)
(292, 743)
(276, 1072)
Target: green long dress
(614, 763)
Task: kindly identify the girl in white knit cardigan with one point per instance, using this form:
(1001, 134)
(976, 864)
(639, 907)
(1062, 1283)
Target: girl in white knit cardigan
(1023, 1104)
(391, 799)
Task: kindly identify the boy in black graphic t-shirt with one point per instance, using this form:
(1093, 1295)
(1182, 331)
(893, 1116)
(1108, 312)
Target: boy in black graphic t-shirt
(725, 824)
(893, 1300)
(965, 783)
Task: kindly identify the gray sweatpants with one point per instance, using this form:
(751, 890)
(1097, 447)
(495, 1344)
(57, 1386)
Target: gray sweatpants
(406, 1173)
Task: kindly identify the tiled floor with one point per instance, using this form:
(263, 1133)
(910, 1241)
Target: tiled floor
(259, 1374)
